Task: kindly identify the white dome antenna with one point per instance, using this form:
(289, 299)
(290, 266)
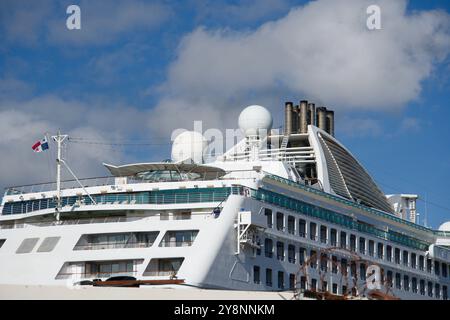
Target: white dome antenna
(255, 121)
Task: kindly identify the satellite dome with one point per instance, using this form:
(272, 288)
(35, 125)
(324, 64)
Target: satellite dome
(255, 120)
(189, 146)
(445, 226)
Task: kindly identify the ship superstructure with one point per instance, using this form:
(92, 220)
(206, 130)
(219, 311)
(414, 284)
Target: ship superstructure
(278, 211)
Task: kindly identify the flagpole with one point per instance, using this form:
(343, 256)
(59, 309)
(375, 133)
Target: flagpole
(59, 140)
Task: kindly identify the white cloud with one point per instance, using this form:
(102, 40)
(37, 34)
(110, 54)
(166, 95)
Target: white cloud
(322, 51)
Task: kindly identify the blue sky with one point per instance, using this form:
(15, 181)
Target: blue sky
(138, 69)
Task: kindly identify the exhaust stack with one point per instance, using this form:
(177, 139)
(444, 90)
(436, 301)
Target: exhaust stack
(303, 116)
(288, 118)
(297, 118)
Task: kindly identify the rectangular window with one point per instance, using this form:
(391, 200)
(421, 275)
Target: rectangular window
(291, 281)
(313, 259)
(291, 253)
(397, 255)
(335, 288)
(313, 231)
(303, 283)
(323, 234)
(179, 238)
(269, 277)
(343, 240)
(268, 248)
(414, 285)
(280, 221)
(437, 291)
(163, 267)
(323, 262)
(405, 258)
(334, 264)
(256, 275)
(301, 256)
(444, 269)
(444, 293)
(344, 266)
(406, 283)
(388, 253)
(398, 281)
(268, 214)
(362, 245)
(291, 225)
(280, 251)
(429, 264)
(436, 268)
(302, 228)
(422, 287)
(421, 263)
(371, 248)
(413, 260)
(380, 250)
(352, 242)
(333, 236)
(280, 280)
(430, 289)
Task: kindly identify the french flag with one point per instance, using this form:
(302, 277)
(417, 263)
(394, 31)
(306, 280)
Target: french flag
(40, 146)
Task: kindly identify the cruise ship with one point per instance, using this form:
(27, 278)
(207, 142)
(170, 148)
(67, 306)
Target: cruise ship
(279, 211)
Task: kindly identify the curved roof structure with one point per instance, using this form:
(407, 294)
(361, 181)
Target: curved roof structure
(345, 176)
(182, 169)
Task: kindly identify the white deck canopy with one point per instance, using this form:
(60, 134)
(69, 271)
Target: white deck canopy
(182, 169)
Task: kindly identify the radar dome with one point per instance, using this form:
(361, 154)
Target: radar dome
(255, 120)
(189, 146)
(445, 226)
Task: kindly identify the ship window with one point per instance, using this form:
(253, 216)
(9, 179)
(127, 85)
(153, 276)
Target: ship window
(324, 262)
(312, 231)
(444, 270)
(280, 221)
(268, 214)
(280, 280)
(116, 240)
(444, 293)
(344, 267)
(291, 225)
(389, 278)
(430, 289)
(362, 271)
(421, 263)
(398, 281)
(302, 228)
(429, 264)
(371, 248)
(48, 244)
(303, 282)
(352, 242)
(179, 238)
(380, 250)
(291, 253)
(413, 260)
(323, 234)
(268, 277)
(163, 267)
(27, 245)
(334, 264)
(389, 253)
(280, 251)
(335, 288)
(437, 291)
(291, 281)
(406, 283)
(256, 275)
(405, 258)
(2, 242)
(436, 268)
(343, 240)
(313, 259)
(301, 256)
(362, 245)
(397, 255)
(422, 287)
(414, 285)
(268, 247)
(313, 284)
(333, 237)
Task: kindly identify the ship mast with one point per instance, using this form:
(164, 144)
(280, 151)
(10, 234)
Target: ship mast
(59, 139)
